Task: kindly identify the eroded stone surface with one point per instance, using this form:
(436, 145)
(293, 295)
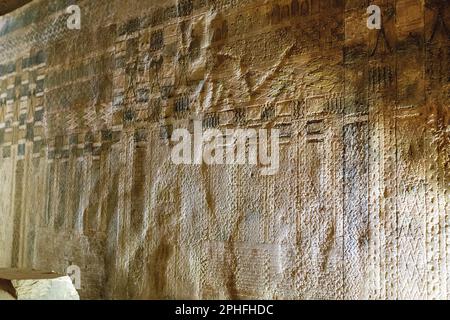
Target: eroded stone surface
(22, 284)
(46, 289)
(359, 208)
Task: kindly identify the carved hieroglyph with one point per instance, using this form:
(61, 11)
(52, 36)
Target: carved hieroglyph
(358, 209)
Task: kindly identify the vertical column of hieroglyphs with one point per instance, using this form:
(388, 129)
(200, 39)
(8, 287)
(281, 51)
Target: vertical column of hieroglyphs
(381, 87)
(173, 79)
(410, 103)
(162, 40)
(125, 60)
(7, 74)
(185, 86)
(411, 207)
(172, 106)
(355, 154)
(115, 160)
(272, 108)
(134, 99)
(333, 85)
(255, 249)
(31, 97)
(172, 76)
(99, 84)
(7, 159)
(318, 113)
(436, 51)
(410, 158)
(374, 106)
(116, 269)
(17, 172)
(230, 205)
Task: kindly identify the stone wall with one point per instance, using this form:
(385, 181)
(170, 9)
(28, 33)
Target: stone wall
(359, 208)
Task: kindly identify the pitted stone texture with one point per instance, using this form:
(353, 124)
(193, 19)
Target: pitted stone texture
(359, 208)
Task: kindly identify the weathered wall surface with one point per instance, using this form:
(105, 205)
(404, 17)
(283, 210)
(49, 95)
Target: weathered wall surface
(359, 208)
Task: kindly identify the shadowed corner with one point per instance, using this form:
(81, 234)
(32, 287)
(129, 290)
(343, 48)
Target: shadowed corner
(7, 6)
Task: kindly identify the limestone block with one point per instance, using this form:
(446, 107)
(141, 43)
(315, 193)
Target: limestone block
(46, 289)
(32, 285)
